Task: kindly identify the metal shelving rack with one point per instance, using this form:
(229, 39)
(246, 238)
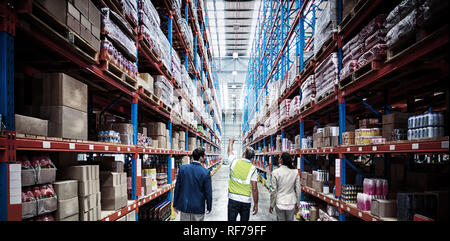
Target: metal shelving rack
(267, 64)
(14, 17)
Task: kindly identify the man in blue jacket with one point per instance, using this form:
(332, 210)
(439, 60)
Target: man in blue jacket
(193, 188)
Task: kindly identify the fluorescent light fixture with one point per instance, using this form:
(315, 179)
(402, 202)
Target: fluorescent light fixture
(234, 72)
(233, 86)
(235, 55)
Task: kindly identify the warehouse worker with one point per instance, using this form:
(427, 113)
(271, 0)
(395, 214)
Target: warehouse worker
(241, 185)
(193, 189)
(285, 194)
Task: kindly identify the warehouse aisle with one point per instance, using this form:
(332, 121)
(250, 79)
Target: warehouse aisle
(220, 199)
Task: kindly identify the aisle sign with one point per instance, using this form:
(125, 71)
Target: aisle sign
(46, 145)
(338, 168)
(138, 167)
(298, 162)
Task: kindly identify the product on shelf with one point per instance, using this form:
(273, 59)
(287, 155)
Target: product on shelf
(349, 193)
(163, 89)
(308, 91)
(109, 136)
(68, 209)
(37, 170)
(30, 125)
(326, 24)
(348, 138)
(110, 53)
(410, 204)
(368, 136)
(294, 107)
(424, 126)
(146, 81)
(304, 209)
(130, 8)
(384, 208)
(324, 216)
(113, 189)
(325, 76)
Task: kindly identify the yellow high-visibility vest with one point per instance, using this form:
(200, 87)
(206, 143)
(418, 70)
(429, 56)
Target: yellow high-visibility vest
(240, 176)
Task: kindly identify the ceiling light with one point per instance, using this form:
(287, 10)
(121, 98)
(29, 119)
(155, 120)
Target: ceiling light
(235, 55)
(233, 86)
(234, 73)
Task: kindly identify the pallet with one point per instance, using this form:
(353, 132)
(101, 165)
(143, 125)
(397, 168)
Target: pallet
(360, 73)
(359, 8)
(165, 107)
(143, 42)
(326, 46)
(150, 96)
(50, 25)
(113, 71)
(306, 107)
(324, 96)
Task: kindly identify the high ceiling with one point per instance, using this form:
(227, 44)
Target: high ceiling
(232, 24)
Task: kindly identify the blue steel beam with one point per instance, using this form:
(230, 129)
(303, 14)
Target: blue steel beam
(7, 80)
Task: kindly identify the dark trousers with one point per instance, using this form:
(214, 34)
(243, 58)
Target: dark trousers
(235, 208)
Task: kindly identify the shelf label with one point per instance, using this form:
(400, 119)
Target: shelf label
(373, 219)
(134, 205)
(348, 149)
(119, 213)
(338, 167)
(374, 148)
(348, 209)
(444, 145)
(46, 145)
(331, 150)
(415, 146)
(107, 219)
(359, 214)
(118, 148)
(91, 147)
(392, 147)
(342, 205)
(106, 148)
(129, 208)
(331, 201)
(72, 146)
(144, 150)
(128, 149)
(359, 148)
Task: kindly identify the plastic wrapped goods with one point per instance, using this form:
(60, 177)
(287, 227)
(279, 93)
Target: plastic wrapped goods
(326, 75)
(146, 7)
(109, 53)
(400, 12)
(308, 91)
(116, 29)
(401, 29)
(375, 24)
(377, 52)
(163, 89)
(294, 106)
(326, 24)
(130, 10)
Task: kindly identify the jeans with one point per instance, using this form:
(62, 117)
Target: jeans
(191, 217)
(285, 215)
(235, 208)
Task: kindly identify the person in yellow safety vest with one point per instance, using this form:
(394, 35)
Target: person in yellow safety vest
(242, 184)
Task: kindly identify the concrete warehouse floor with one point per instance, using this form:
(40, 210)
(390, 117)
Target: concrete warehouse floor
(220, 200)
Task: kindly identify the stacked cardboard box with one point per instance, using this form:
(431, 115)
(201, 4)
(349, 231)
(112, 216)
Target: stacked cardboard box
(331, 136)
(158, 132)
(384, 208)
(88, 190)
(67, 192)
(317, 139)
(82, 16)
(149, 183)
(175, 140)
(30, 125)
(191, 143)
(113, 190)
(393, 121)
(182, 141)
(131, 216)
(64, 105)
(348, 138)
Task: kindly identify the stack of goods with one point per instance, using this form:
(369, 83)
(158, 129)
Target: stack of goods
(368, 136)
(156, 210)
(278, 143)
(161, 179)
(176, 67)
(88, 190)
(68, 208)
(304, 209)
(130, 10)
(384, 208)
(191, 143)
(348, 138)
(149, 182)
(113, 186)
(125, 131)
(320, 177)
(119, 46)
(349, 193)
(158, 132)
(372, 189)
(284, 109)
(40, 170)
(326, 24)
(182, 140)
(187, 32)
(326, 76)
(306, 179)
(294, 107)
(81, 16)
(351, 52)
(324, 216)
(146, 81)
(109, 136)
(318, 138)
(30, 125)
(429, 125)
(64, 104)
(373, 36)
(150, 30)
(142, 139)
(395, 126)
(308, 91)
(38, 200)
(330, 136)
(307, 142)
(163, 90)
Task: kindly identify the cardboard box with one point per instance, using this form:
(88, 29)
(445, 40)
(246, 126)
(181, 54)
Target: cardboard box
(157, 129)
(384, 208)
(126, 139)
(87, 203)
(64, 90)
(80, 173)
(73, 218)
(398, 119)
(131, 216)
(112, 179)
(82, 6)
(95, 41)
(86, 34)
(146, 181)
(30, 125)
(66, 189)
(162, 142)
(142, 130)
(66, 122)
(28, 177)
(317, 185)
(326, 141)
(155, 143)
(114, 192)
(409, 204)
(309, 180)
(94, 15)
(334, 141)
(57, 8)
(47, 205)
(67, 208)
(114, 204)
(46, 175)
(84, 188)
(109, 163)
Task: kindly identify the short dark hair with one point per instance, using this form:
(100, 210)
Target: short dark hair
(287, 160)
(197, 153)
(249, 153)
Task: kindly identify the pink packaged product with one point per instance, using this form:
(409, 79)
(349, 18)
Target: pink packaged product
(381, 187)
(376, 38)
(377, 52)
(374, 25)
(369, 186)
(348, 68)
